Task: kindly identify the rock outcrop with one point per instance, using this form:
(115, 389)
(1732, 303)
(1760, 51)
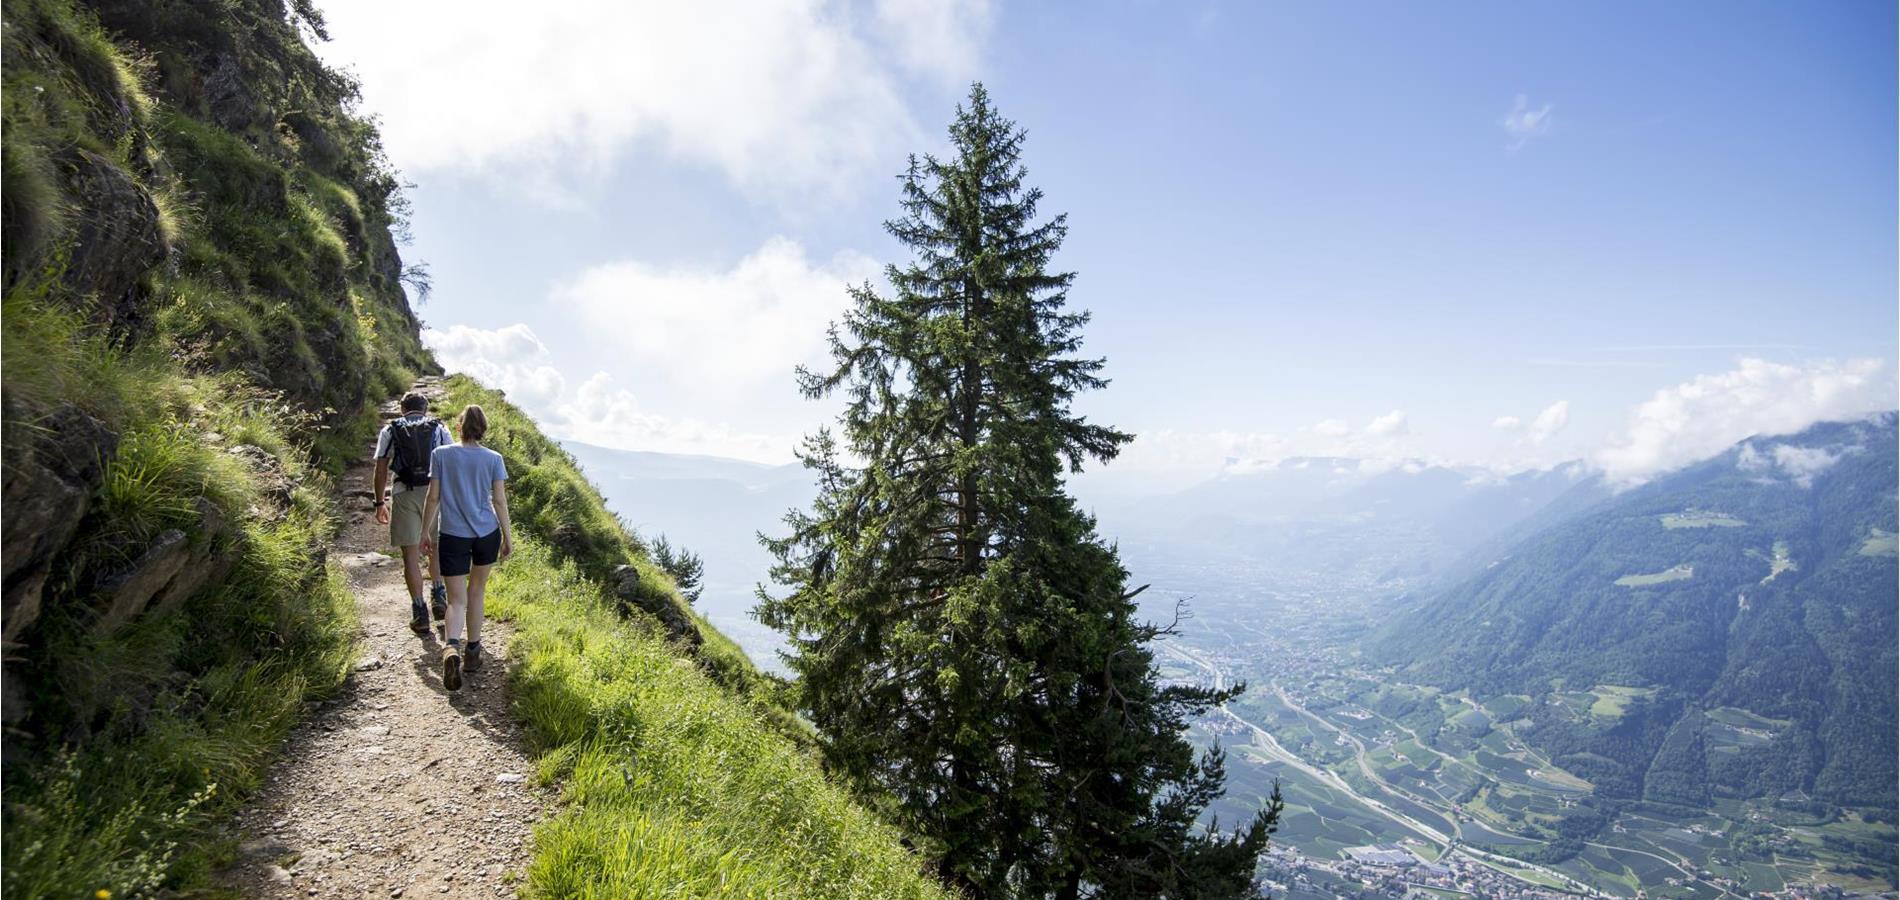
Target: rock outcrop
(677, 626)
(118, 241)
(47, 490)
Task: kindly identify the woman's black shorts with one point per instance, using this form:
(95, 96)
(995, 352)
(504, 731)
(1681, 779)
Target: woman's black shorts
(457, 553)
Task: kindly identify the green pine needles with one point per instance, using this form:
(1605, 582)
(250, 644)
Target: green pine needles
(963, 639)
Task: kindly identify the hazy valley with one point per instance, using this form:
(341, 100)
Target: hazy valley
(1581, 688)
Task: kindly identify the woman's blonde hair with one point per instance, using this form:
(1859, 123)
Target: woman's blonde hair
(474, 423)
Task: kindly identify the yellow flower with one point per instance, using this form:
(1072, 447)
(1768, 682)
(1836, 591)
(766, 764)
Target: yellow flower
(102, 894)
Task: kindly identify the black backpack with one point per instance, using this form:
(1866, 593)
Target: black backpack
(411, 441)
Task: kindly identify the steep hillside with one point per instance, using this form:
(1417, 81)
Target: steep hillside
(678, 779)
(716, 508)
(204, 304)
(1740, 614)
(202, 295)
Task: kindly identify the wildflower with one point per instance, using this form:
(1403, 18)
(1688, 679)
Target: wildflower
(102, 894)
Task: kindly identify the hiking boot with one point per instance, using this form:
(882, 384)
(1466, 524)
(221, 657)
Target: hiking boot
(472, 657)
(439, 601)
(418, 617)
(452, 668)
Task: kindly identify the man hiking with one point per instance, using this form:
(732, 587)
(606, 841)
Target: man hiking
(468, 484)
(403, 447)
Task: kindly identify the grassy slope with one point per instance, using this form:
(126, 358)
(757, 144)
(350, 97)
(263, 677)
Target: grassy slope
(269, 322)
(682, 776)
(140, 739)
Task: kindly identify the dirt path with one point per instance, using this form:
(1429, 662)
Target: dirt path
(396, 787)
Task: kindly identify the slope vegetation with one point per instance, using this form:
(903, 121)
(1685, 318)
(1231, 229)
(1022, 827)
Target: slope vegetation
(203, 303)
(201, 289)
(681, 774)
(1754, 588)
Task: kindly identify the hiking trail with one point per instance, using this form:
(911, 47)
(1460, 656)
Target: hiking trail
(395, 787)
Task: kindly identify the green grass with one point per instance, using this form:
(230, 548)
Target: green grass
(1673, 573)
(551, 499)
(671, 786)
(134, 738)
(139, 738)
(1612, 700)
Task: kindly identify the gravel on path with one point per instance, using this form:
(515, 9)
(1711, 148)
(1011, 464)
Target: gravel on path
(396, 787)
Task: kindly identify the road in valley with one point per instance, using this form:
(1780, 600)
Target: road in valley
(1447, 843)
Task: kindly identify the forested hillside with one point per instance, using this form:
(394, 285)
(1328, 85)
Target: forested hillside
(1742, 609)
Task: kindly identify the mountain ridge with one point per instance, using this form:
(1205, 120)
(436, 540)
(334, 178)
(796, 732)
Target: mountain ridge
(1729, 583)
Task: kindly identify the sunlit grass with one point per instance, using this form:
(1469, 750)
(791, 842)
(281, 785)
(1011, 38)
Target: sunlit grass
(671, 786)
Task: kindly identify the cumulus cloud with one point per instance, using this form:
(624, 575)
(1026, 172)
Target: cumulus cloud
(1390, 423)
(716, 331)
(1549, 422)
(1541, 427)
(511, 358)
(1703, 417)
(940, 40)
(795, 97)
(1189, 456)
(1800, 464)
(597, 411)
(1523, 123)
(1331, 428)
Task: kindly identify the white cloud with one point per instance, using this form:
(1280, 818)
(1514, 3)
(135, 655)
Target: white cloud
(1803, 463)
(1507, 423)
(510, 358)
(782, 98)
(1703, 417)
(1202, 454)
(1549, 422)
(943, 40)
(1523, 123)
(514, 360)
(1390, 423)
(1331, 428)
(713, 332)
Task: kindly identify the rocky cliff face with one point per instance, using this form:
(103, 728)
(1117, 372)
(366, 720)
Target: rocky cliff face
(204, 301)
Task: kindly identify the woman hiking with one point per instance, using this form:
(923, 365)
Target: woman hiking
(468, 484)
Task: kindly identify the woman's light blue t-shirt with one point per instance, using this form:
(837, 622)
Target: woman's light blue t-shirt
(467, 475)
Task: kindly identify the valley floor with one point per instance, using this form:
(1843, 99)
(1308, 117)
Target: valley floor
(395, 787)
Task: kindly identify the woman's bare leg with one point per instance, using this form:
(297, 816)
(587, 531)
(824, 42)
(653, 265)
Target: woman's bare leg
(477, 590)
(458, 600)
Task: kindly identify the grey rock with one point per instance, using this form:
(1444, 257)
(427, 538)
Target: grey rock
(130, 591)
(47, 490)
(117, 241)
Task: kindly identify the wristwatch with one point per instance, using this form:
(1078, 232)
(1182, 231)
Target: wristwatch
(377, 504)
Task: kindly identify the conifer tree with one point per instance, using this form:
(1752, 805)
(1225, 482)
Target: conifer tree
(687, 569)
(962, 638)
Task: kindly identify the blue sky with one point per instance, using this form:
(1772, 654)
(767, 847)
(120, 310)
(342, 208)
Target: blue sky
(1488, 232)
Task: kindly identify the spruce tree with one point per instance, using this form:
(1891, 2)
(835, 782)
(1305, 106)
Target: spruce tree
(964, 641)
(687, 569)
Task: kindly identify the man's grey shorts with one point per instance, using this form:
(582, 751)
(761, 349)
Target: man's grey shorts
(405, 516)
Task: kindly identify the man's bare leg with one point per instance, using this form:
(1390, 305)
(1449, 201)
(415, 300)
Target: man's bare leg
(412, 569)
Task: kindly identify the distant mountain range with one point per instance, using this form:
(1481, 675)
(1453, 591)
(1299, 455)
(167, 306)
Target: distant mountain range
(1752, 591)
(1747, 602)
(1393, 524)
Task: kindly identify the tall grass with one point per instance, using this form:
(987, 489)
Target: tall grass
(550, 498)
(139, 738)
(672, 786)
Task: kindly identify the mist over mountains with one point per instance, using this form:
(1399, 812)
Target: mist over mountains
(1406, 529)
